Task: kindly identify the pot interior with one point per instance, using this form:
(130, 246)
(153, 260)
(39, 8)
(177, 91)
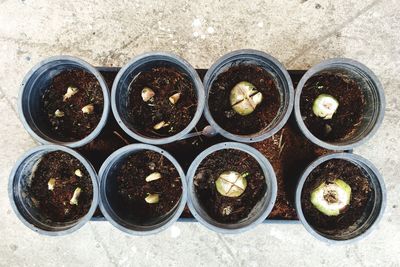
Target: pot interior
(25, 202)
(369, 214)
(123, 89)
(282, 85)
(372, 103)
(114, 206)
(32, 97)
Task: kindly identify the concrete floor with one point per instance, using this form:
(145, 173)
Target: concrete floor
(299, 33)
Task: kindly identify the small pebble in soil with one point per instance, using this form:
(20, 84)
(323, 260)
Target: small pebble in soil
(59, 114)
(51, 184)
(160, 125)
(78, 173)
(147, 94)
(174, 98)
(70, 92)
(152, 198)
(153, 176)
(88, 109)
(75, 196)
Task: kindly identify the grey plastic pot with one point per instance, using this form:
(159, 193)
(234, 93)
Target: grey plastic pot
(109, 202)
(373, 213)
(279, 74)
(36, 81)
(374, 96)
(120, 92)
(259, 213)
(22, 205)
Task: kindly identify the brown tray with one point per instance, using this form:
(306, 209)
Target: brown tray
(288, 151)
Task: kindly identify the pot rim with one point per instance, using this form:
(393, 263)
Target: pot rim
(92, 173)
(160, 56)
(320, 67)
(268, 173)
(129, 149)
(106, 102)
(248, 53)
(348, 157)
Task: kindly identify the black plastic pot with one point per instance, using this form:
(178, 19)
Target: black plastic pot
(22, 205)
(109, 202)
(120, 92)
(374, 96)
(36, 81)
(275, 69)
(372, 214)
(260, 211)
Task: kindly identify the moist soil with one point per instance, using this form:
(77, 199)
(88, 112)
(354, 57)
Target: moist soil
(55, 205)
(212, 201)
(361, 192)
(219, 100)
(348, 115)
(74, 125)
(289, 153)
(165, 81)
(133, 188)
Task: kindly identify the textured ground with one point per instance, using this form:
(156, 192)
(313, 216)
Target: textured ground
(299, 33)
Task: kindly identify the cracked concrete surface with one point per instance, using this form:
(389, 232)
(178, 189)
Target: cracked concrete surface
(299, 33)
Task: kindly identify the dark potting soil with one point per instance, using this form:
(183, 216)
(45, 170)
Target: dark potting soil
(347, 116)
(219, 100)
(289, 153)
(133, 188)
(74, 125)
(165, 82)
(361, 192)
(54, 205)
(212, 201)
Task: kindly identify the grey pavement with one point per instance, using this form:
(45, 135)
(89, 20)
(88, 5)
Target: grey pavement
(299, 33)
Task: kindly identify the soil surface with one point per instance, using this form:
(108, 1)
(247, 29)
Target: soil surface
(361, 192)
(220, 106)
(348, 115)
(54, 205)
(74, 125)
(212, 201)
(165, 82)
(289, 153)
(133, 188)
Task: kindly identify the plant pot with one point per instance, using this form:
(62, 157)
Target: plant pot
(112, 202)
(142, 72)
(371, 210)
(22, 201)
(259, 210)
(33, 88)
(268, 76)
(364, 112)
